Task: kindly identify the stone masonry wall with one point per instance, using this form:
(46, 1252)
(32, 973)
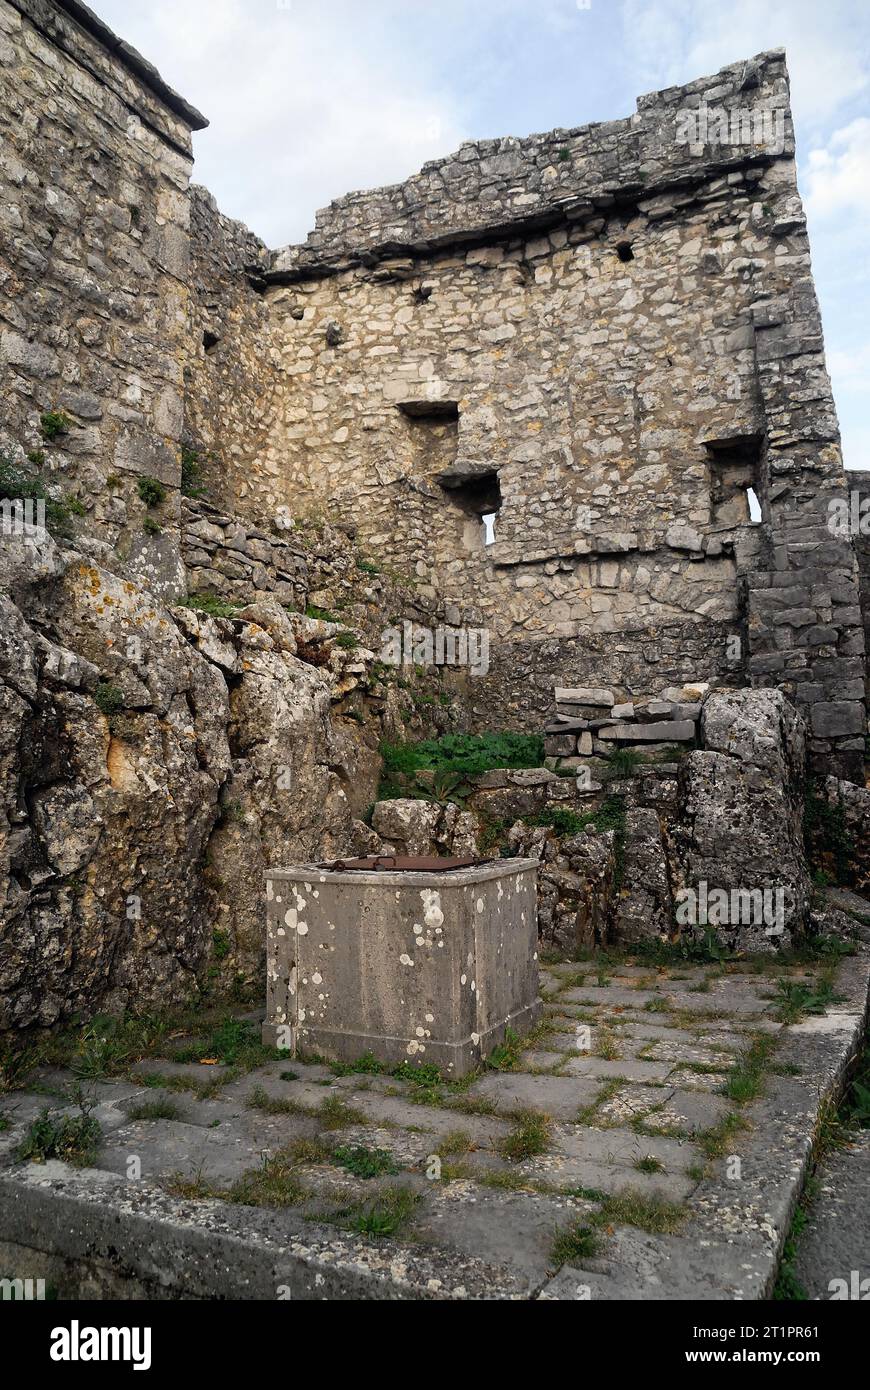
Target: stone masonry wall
(859, 485)
(95, 159)
(603, 336)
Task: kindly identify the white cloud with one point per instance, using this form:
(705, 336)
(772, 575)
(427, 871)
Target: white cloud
(850, 368)
(306, 102)
(837, 176)
(670, 42)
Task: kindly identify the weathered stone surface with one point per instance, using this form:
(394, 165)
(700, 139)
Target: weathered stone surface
(668, 731)
(420, 967)
(740, 826)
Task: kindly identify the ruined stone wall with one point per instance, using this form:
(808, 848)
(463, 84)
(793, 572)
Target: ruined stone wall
(230, 373)
(859, 504)
(604, 336)
(95, 159)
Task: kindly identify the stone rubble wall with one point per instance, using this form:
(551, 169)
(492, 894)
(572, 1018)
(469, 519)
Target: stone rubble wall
(495, 185)
(859, 483)
(94, 218)
(620, 328)
(224, 555)
(727, 815)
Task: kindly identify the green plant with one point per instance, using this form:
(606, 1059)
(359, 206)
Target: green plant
(795, 999)
(151, 490)
(367, 567)
(505, 1055)
(649, 1164)
(575, 1242)
(623, 762)
(72, 1138)
(530, 1136)
(364, 1162)
(232, 1041)
(273, 1184)
(366, 1065)
(348, 640)
(220, 943)
(191, 473)
(335, 1113)
(788, 1287)
(210, 604)
(322, 615)
(53, 423)
(745, 1080)
(108, 698)
(151, 527)
(470, 754)
(155, 1110)
(388, 1213)
(16, 485)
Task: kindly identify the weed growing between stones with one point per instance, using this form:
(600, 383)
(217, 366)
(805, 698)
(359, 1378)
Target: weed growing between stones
(576, 1242)
(365, 1162)
(530, 1136)
(274, 1184)
(582, 1240)
(155, 1110)
(72, 1138)
(745, 1081)
(211, 604)
(53, 423)
(649, 1164)
(795, 999)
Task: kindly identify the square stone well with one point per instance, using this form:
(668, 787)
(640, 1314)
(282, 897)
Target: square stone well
(420, 967)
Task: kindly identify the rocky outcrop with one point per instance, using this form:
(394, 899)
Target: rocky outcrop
(154, 762)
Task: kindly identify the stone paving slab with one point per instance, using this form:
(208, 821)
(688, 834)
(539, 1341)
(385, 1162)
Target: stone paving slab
(479, 1221)
(561, 1097)
(630, 1068)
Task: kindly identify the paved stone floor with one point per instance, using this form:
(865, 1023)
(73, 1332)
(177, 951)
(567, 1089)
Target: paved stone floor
(647, 1140)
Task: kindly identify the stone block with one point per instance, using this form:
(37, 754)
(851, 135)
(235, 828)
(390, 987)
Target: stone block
(560, 746)
(427, 968)
(584, 695)
(837, 718)
(670, 731)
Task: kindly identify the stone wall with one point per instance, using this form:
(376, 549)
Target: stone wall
(225, 556)
(94, 171)
(603, 337)
(859, 502)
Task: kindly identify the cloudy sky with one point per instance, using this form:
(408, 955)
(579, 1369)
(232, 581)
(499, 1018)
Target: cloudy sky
(309, 99)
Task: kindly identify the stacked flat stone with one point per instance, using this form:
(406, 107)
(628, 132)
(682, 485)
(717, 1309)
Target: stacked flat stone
(239, 561)
(587, 720)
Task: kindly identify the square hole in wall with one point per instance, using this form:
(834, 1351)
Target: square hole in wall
(735, 480)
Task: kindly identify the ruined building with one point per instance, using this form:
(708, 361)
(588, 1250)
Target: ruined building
(539, 389)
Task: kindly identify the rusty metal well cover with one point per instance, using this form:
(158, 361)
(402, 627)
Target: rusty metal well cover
(397, 863)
